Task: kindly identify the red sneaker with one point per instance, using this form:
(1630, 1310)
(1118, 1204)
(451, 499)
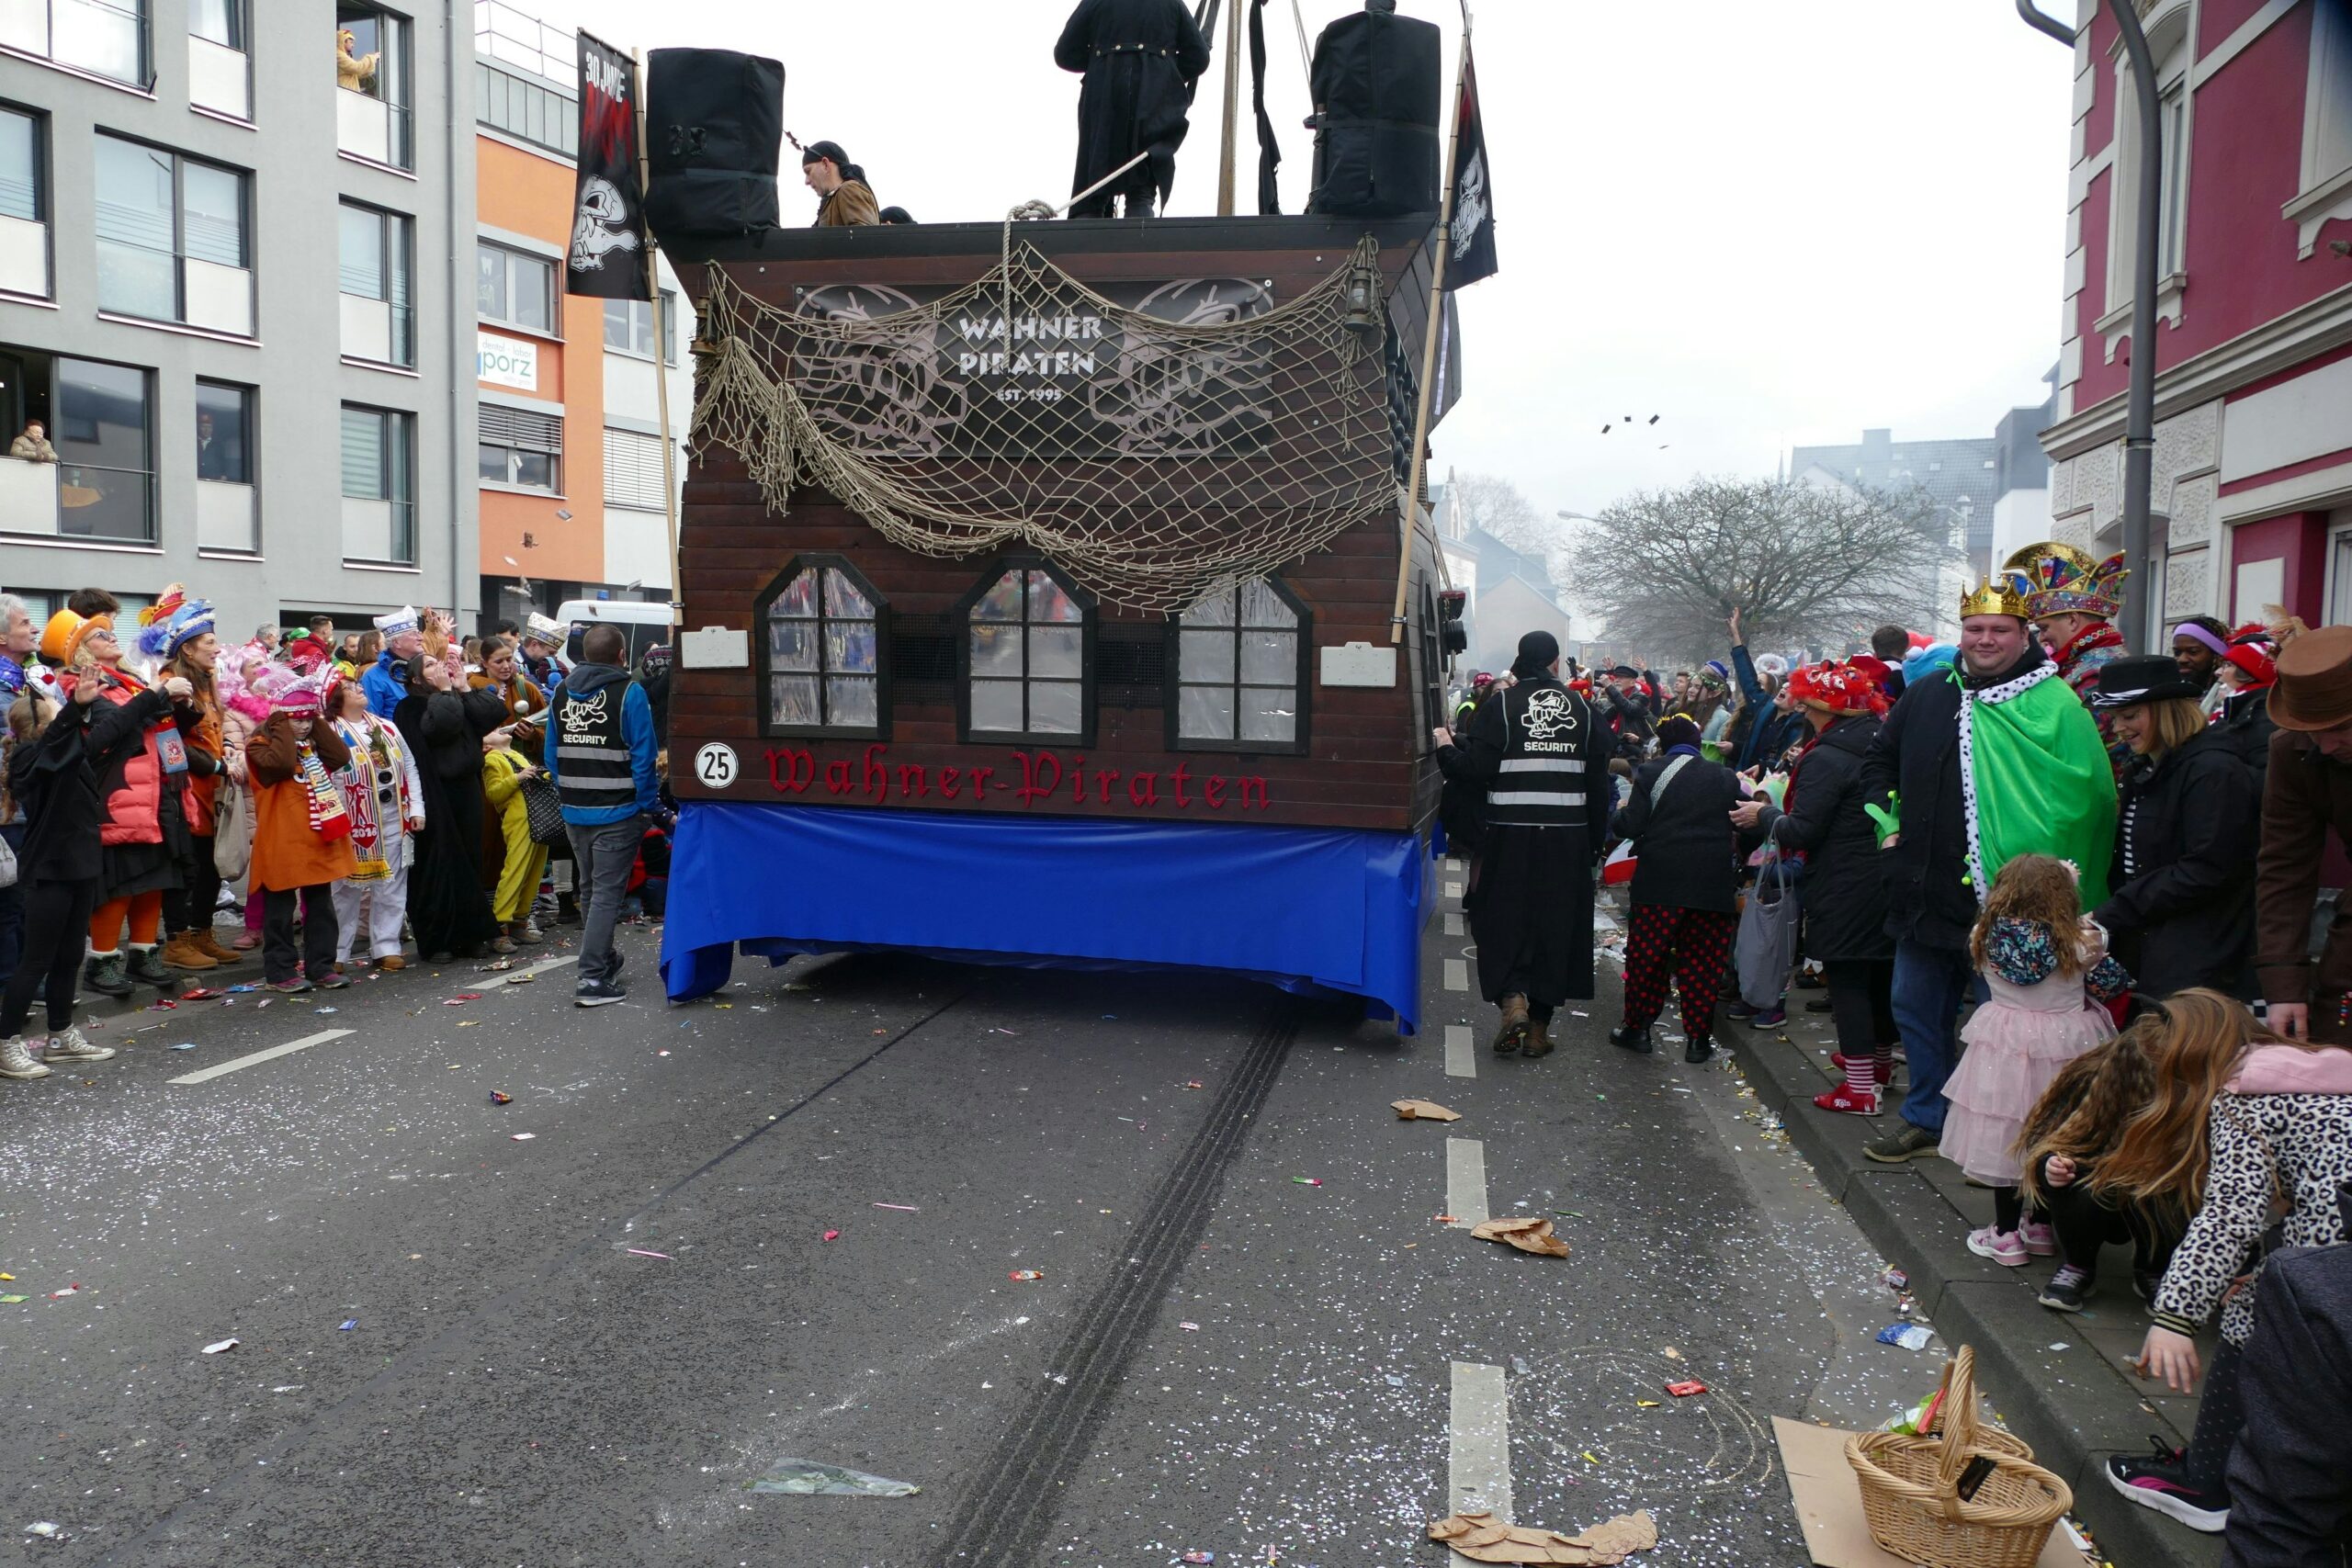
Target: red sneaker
(1880, 1066)
(1845, 1099)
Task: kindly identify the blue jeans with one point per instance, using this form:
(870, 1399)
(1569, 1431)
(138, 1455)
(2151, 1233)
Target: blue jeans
(1930, 984)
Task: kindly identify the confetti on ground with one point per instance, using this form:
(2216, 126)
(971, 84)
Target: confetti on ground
(910, 1209)
(525, 1138)
(640, 1252)
(347, 1325)
(1685, 1390)
(1308, 1181)
(1026, 1275)
(831, 1236)
(10, 1300)
(218, 1345)
(500, 1097)
(183, 1045)
(461, 999)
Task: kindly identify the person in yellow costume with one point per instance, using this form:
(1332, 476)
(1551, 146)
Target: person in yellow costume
(503, 772)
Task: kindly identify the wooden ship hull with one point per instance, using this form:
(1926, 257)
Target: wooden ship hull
(842, 734)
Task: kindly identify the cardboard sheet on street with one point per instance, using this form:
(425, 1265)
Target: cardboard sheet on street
(1481, 1538)
(1527, 1235)
(1829, 1503)
(1422, 1110)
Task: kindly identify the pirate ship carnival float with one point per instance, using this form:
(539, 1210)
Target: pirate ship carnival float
(1051, 598)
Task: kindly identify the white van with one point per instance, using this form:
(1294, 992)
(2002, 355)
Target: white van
(644, 625)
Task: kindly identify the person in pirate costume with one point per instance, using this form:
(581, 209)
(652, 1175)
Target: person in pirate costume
(1542, 755)
(2074, 600)
(1140, 59)
(1979, 764)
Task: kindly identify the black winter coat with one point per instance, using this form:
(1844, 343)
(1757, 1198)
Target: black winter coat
(2182, 909)
(1917, 751)
(1845, 885)
(1687, 855)
(2290, 1474)
(1140, 58)
(55, 777)
(2245, 727)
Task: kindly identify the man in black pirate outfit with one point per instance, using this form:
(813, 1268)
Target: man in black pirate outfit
(1543, 759)
(1140, 59)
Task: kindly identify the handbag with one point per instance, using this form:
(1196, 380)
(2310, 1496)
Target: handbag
(7, 865)
(1766, 949)
(543, 808)
(232, 829)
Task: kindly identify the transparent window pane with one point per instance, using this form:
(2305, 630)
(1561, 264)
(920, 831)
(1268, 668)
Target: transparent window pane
(849, 645)
(1217, 610)
(219, 21)
(102, 414)
(134, 193)
(996, 651)
(1270, 659)
(360, 259)
(617, 324)
(842, 597)
(220, 434)
(853, 700)
(1261, 606)
(1206, 655)
(792, 699)
(489, 283)
(1204, 713)
(97, 37)
(1057, 650)
(1268, 716)
(1048, 602)
(19, 166)
(996, 706)
(106, 503)
(134, 281)
(536, 469)
(214, 221)
(1055, 708)
(1002, 601)
(363, 455)
(792, 645)
(497, 464)
(799, 600)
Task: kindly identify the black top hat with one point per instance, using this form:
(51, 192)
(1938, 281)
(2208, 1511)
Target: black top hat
(2148, 677)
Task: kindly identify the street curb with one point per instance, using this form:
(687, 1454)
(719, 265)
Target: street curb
(2068, 1404)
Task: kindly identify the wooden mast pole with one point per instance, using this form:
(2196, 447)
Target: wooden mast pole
(661, 363)
(1431, 331)
(1232, 107)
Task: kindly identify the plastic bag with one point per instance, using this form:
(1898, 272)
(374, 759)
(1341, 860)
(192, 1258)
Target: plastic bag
(1766, 949)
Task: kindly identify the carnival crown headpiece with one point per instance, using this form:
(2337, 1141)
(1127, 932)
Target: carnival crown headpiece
(2060, 579)
(2002, 595)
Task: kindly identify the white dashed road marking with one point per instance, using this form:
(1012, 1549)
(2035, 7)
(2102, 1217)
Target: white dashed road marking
(1461, 1055)
(1457, 975)
(1452, 924)
(1466, 1180)
(1478, 1429)
(1453, 890)
(320, 1038)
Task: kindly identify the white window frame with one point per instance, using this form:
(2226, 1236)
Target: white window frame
(633, 470)
(1185, 634)
(638, 315)
(2326, 191)
(395, 259)
(181, 260)
(25, 241)
(501, 430)
(396, 463)
(509, 255)
(30, 28)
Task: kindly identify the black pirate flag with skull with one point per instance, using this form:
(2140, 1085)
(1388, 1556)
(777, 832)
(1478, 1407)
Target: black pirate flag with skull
(1473, 230)
(607, 257)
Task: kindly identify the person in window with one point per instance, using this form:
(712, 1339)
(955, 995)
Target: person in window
(213, 458)
(844, 198)
(1139, 59)
(1543, 756)
(32, 443)
(444, 724)
(357, 71)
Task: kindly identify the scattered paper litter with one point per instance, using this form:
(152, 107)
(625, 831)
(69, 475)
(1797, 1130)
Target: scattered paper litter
(525, 1138)
(1478, 1537)
(68, 1290)
(1024, 1276)
(219, 1345)
(187, 1045)
(901, 1208)
(808, 1477)
(1910, 1336)
(1528, 1235)
(1685, 1390)
(46, 1530)
(11, 1300)
(461, 999)
(640, 1252)
(1423, 1110)
(828, 1236)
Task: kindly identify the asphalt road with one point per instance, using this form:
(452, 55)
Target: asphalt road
(1251, 1334)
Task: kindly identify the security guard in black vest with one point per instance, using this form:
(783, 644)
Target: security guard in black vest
(1542, 760)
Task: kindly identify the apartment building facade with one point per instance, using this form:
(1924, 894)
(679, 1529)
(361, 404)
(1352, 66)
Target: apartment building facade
(231, 291)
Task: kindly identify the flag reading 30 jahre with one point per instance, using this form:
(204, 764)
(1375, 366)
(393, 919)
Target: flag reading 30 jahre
(607, 257)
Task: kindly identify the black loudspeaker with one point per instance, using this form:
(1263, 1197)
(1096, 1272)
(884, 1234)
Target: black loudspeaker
(1376, 81)
(713, 122)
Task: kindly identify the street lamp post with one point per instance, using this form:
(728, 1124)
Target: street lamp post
(2140, 411)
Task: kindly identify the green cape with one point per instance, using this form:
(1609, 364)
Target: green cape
(2036, 779)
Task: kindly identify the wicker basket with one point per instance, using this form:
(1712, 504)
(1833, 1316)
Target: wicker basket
(1910, 1487)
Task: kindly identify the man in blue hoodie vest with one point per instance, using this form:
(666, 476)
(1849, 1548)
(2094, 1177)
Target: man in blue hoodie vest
(600, 755)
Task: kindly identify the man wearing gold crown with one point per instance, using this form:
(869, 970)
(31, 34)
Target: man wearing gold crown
(1976, 765)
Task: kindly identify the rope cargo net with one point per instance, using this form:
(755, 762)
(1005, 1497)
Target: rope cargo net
(1155, 449)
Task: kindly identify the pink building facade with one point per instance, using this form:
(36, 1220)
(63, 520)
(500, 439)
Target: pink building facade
(2253, 497)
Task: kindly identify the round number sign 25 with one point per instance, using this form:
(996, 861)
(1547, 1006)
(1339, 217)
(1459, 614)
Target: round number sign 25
(716, 765)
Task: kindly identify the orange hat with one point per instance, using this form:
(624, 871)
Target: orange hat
(63, 638)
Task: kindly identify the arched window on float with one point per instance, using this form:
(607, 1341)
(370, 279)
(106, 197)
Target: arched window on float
(1241, 671)
(1027, 658)
(823, 640)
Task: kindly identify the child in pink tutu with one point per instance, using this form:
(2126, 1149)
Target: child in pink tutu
(2049, 972)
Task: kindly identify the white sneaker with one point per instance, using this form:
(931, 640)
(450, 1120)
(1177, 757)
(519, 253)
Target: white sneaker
(15, 1062)
(69, 1044)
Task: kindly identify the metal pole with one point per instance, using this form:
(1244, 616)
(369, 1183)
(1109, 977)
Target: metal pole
(2140, 413)
(1232, 108)
(2050, 25)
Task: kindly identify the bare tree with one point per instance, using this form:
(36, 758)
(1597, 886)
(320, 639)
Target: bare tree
(1494, 503)
(1814, 565)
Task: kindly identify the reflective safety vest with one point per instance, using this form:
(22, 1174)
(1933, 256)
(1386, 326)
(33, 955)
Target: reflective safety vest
(594, 769)
(1541, 782)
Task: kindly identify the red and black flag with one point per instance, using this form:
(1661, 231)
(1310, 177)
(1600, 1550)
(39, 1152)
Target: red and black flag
(607, 257)
(1473, 230)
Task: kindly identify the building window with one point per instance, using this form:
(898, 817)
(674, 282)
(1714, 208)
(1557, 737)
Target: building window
(372, 69)
(171, 234)
(1241, 675)
(99, 421)
(105, 37)
(379, 316)
(24, 205)
(1027, 675)
(514, 289)
(521, 447)
(628, 327)
(228, 507)
(526, 110)
(2171, 227)
(633, 470)
(2327, 110)
(378, 485)
(822, 654)
(219, 75)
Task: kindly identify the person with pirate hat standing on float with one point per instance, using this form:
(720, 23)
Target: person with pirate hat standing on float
(1977, 764)
(1541, 756)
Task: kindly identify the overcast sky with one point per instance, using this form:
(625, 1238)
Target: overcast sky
(1772, 222)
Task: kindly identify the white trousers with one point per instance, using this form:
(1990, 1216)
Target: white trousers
(385, 903)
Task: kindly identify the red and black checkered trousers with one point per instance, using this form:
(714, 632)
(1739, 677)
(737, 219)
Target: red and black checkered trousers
(1689, 947)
